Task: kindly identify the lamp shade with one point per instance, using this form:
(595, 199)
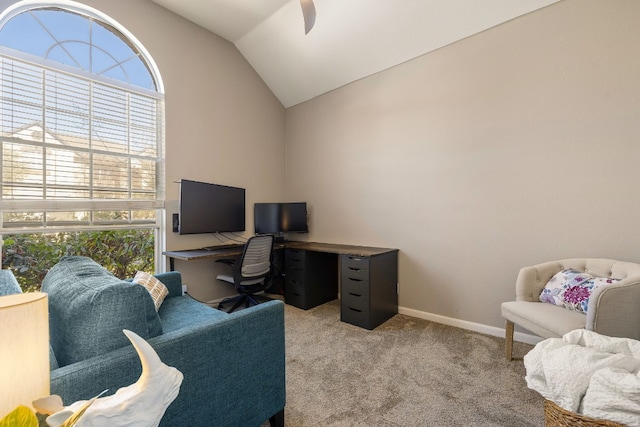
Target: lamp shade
(24, 350)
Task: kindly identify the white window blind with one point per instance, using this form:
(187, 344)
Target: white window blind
(77, 151)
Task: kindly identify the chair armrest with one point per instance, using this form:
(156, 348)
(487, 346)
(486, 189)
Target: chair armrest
(233, 367)
(531, 280)
(614, 309)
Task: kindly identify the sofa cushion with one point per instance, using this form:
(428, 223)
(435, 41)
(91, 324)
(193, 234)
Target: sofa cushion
(156, 288)
(572, 288)
(182, 312)
(89, 307)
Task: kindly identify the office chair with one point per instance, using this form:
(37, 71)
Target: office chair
(250, 272)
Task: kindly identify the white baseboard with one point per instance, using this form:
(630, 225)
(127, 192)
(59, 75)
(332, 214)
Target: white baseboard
(470, 326)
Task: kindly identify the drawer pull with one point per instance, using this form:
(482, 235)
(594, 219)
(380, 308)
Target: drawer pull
(355, 258)
(355, 269)
(355, 295)
(294, 281)
(354, 279)
(295, 293)
(355, 309)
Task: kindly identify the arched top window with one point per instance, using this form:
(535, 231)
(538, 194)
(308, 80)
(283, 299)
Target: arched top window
(81, 122)
(81, 38)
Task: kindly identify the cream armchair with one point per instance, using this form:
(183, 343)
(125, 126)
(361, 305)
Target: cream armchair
(613, 310)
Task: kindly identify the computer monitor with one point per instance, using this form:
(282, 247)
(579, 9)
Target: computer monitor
(278, 218)
(210, 208)
(294, 217)
(266, 218)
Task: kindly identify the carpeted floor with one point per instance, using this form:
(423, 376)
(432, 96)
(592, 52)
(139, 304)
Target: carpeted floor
(407, 372)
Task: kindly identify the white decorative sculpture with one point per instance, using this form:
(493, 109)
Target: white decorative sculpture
(141, 404)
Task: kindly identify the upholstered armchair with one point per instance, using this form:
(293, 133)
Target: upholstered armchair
(611, 309)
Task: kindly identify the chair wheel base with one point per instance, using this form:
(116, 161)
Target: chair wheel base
(247, 299)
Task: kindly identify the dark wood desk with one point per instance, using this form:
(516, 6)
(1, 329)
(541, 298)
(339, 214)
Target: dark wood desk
(195, 254)
(213, 252)
(366, 277)
(333, 248)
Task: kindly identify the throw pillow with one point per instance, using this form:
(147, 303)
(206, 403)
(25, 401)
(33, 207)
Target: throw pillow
(571, 289)
(156, 288)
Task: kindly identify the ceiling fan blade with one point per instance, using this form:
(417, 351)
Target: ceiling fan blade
(309, 14)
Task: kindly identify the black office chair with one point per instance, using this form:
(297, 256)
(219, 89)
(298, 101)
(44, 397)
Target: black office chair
(250, 272)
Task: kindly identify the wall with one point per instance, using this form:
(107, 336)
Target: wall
(515, 146)
(223, 125)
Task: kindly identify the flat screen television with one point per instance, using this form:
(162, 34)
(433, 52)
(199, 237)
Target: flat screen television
(277, 218)
(210, 208)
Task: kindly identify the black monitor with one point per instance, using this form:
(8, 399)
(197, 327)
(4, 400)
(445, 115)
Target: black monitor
(277, 218)
(266, 218)
(294, 217)
(210, 208)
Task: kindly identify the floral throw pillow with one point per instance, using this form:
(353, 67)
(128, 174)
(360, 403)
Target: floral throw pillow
(571, 289)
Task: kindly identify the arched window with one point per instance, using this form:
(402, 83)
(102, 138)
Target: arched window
(81, 123)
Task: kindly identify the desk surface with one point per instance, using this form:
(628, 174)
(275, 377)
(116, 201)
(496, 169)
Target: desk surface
(189, 254)
(334, 248)
(226, 251)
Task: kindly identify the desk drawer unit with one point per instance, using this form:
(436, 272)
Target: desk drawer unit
(294, 289)
(369, 289)
(311, 278)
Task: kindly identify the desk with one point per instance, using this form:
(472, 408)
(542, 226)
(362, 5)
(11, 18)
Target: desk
(226, 251)
(365, 277)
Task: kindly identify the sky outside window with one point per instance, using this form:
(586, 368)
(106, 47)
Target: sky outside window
(77, 41)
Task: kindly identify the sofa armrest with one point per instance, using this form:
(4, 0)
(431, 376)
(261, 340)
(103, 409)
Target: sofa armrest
(614, 310)
(173, 281)
(233, 367)
(8, 283)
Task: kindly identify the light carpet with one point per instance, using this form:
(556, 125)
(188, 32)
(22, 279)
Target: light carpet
(407, 372)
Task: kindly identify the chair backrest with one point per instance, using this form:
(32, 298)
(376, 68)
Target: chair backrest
(255, 261)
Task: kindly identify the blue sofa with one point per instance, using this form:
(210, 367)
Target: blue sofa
(233, 364)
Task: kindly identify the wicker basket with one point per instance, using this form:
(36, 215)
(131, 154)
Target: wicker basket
(555, 416)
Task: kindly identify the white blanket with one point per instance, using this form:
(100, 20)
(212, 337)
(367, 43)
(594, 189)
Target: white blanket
(588, 373)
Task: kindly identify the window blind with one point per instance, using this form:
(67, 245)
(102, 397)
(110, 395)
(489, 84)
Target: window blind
(75, 150)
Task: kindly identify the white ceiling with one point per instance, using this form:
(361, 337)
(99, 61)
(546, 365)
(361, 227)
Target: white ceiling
(351, 39)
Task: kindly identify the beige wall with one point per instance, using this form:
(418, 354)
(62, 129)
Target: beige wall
(223, 125)
(512, 147)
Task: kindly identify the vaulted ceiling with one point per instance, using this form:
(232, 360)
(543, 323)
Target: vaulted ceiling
(351, 39)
